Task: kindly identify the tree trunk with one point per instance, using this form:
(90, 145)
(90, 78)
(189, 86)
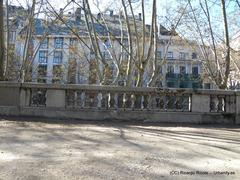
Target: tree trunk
(25, 63)
(227, 44)
(130, 47)
(144, 62)
(2, 48)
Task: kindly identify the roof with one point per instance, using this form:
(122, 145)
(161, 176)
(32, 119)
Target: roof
(112, 24)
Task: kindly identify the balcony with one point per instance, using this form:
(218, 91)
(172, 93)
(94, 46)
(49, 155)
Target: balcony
(189, 77)
(178, 59)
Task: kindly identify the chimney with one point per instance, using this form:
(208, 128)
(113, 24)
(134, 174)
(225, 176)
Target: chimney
(148, 27)
(173, 31)
(111, 13)
(140, 16)
(99, 16)
(61, 12)
(78, 15)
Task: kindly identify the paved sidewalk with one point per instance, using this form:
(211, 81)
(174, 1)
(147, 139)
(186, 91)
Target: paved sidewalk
(32, 150)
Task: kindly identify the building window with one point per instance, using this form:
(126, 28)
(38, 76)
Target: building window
(106, 55)
(44, 44)
(58, 42)
(124, 55)
(158, 83)
(194, 55)
(57, 58)
(12, 36)
(195, 70)
(196, 85)
(72, 69)
(207, 86)
(183, 56)
(159, 55)
(43, 57)
(73, 42)
(72, 56)
(170, 69)
(169, 55)
(184, 84)
(107, 44)
(125, 44)
(170, 84)
(182, 70)
(159, 68)
(42, 73)
(57, 73)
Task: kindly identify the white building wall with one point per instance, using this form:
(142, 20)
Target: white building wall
(82, 73)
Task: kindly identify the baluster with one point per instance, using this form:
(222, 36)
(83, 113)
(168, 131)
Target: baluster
(224, 104)
(75, 99)
(116, 101)
(185, 103)
(166, 101)
(138, 103)
(120, 100)
(175, 102)
(211, 104)
(83, 98)
(149, 102)
(99, 100)
(124, 99)
(128, 101)
(189, 102)
(230, 104)
(180, 104)
(153, 102)
(112, 100)
(78, 100)
(133, 99)
(108, 100)
(214, 104)
(142, 102)
(104, 100)
(157, 99)
(221, 102)
(91, 99)
(161, 102)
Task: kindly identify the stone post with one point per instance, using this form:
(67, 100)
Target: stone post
(237, 117)
(200, 103)
(24, 97)
(55, 98)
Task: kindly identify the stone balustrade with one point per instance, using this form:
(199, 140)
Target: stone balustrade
(112, 102)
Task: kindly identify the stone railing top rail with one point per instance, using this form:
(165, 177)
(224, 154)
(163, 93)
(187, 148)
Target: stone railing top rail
(117, 88)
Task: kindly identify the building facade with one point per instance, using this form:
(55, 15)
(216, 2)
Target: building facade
(60, 57)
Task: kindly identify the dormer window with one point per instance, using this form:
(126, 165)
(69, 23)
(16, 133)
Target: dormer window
(194, 55)
(169, 55)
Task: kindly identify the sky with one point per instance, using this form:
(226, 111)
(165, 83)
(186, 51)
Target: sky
(161, 4)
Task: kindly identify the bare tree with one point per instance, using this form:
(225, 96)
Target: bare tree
(199, 25)
(2, 47)
(25, 65)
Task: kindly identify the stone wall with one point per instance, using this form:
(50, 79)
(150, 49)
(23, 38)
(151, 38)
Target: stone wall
(120, 103)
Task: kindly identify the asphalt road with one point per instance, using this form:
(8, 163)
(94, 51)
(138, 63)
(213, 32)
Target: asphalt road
(32, 149)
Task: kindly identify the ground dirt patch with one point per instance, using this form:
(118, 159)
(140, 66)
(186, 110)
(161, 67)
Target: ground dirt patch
(32, 149)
